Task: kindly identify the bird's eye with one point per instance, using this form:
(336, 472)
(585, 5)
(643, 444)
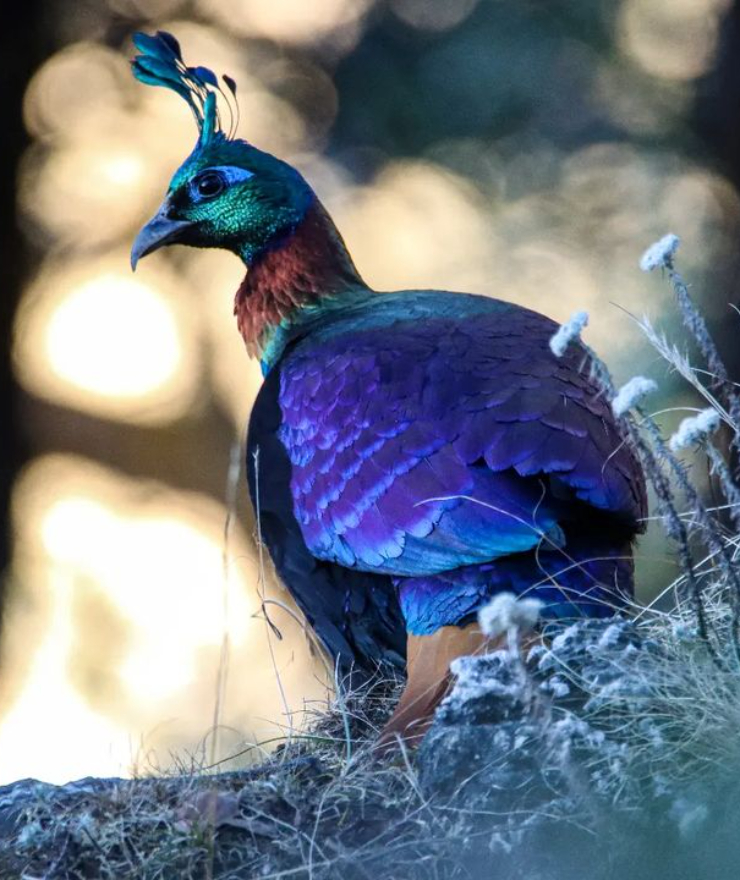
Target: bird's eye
(209, 184)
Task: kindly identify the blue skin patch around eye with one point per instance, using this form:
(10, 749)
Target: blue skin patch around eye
(230, 173)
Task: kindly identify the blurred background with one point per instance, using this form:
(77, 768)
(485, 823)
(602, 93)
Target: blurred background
(526, 149)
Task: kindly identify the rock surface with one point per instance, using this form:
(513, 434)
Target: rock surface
(563, 765)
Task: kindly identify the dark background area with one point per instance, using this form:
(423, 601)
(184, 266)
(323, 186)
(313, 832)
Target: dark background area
(24, 42)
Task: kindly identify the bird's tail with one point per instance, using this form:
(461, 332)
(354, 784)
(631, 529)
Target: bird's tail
(429, 680)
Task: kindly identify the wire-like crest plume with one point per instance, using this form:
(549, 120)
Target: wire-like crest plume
(160, 64)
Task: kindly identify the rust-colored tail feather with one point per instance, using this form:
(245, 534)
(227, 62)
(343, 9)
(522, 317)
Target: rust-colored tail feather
(429, 680)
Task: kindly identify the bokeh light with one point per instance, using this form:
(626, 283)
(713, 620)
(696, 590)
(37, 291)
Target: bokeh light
(674, 39)
(86, 192)
(433, 16)
(293, 21)
(71, 89)
(118, 634)
(419, 225)
(235, 378)
(96, 338)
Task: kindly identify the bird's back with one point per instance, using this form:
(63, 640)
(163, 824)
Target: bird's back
(425, 433)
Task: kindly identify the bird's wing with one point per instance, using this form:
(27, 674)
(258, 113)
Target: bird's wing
(421, 445)
(355, 614)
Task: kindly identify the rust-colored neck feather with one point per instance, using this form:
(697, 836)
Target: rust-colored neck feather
(311, 263)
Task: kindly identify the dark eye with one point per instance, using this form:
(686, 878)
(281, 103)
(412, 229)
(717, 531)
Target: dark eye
(209, 184)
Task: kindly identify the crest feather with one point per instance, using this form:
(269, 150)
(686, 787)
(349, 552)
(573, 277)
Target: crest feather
(160, 64)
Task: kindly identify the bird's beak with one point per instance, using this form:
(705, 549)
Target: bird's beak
(159, 231)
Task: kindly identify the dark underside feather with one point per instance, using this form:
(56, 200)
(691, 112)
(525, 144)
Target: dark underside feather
(355, 614)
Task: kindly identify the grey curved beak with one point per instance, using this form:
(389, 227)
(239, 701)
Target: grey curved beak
(159, 231)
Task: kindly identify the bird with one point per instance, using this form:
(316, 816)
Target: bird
(410, 454)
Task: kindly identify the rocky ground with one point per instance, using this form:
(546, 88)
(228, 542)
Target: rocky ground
(606, 754)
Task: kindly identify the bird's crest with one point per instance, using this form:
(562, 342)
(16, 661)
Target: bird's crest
(160, 64)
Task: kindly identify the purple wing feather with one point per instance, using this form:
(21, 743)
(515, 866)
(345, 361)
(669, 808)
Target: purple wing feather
(390, 429)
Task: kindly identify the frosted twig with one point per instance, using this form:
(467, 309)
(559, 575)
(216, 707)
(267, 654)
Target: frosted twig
(729, 487)
(683, 367)
(660, 254)
(672, 522)
(695, 429)
(631, 393)
(720, 382)
(706, 522)
(567, 333)
(505, 613)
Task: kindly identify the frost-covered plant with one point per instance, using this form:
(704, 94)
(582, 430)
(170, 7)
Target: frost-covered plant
(660, 254)
(567, 333)
(506, 613)
(677, 711)
(695, 429)
(670, 712)
(631, 394)
(696, 527)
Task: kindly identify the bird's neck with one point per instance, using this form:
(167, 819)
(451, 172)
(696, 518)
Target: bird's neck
(310, 265)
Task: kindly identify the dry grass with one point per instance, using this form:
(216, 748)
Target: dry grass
(308, 811)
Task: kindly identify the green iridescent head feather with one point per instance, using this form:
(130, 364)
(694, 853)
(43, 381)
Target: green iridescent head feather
(160, 64)
(227, 193)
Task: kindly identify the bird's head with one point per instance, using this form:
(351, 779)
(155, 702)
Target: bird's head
(227, 193)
